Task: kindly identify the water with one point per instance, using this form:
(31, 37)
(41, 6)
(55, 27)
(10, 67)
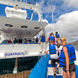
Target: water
(26, 63)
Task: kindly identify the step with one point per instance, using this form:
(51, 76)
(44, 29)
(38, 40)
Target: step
(50, 71)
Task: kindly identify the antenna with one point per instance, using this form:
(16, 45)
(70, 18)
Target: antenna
(53, 9)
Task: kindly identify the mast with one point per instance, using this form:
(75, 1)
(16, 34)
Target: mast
(53, 9)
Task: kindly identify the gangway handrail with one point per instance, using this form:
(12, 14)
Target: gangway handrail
(40, 69)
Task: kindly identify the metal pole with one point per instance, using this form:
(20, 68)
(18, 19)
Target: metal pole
(32, 16)
(20, 0)
(53, 9)
(16, 66)
(53, 21)
(25, 1)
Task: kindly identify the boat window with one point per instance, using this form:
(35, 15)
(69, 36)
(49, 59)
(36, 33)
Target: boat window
(24, 26)
(37, 27)
(8, 25)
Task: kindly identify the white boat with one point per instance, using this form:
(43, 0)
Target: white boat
(16, 25)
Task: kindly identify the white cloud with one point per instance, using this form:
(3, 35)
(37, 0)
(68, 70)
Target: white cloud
(48, 8)
(66, 25)
(73, 3)
(44, 20)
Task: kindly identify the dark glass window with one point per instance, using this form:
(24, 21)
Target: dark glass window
(8, 25)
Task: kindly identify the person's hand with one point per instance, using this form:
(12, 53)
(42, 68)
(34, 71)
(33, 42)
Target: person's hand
(39, 43)
(68, 74)
(45, 56)
(45, 53)
(47, 41)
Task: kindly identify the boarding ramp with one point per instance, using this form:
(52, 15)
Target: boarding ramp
(50, 71)
(43, 69)
(40, 69)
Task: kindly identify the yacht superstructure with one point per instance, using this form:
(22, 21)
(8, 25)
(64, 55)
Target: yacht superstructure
(17, 25)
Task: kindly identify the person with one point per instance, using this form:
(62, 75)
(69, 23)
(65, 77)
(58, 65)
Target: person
(67, 58)
(42, 41)
(57, 36)
(9, 41)
(53, 55)
(15, 41)
(51, 37)
(4, 41)
(20, 41)
(36, 40)
(30, 41)
(25, 40)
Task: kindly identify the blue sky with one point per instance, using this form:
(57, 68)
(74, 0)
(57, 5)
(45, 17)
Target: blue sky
(60, 8)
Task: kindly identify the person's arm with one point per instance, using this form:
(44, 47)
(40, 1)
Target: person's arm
(39, 40)
(67, 61)
(67, 58)
(47, 51)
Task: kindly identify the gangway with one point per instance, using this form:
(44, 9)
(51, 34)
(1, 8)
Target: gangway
(43, 69)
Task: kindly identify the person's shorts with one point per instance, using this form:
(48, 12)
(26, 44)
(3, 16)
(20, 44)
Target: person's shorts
(71, 68)
(53, 61)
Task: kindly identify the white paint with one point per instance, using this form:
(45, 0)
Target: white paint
(15, 13)
(2, 54)
(22, 5)
(26, 50)
(16, 30)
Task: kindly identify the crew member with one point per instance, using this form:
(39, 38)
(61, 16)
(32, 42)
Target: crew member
(51, 37)
(42, 42)
(57, 36)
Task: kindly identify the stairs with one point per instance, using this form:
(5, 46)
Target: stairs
(43, 69)
(50, 71)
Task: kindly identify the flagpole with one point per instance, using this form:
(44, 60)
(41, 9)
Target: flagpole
(53, 9)
(53, 21)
